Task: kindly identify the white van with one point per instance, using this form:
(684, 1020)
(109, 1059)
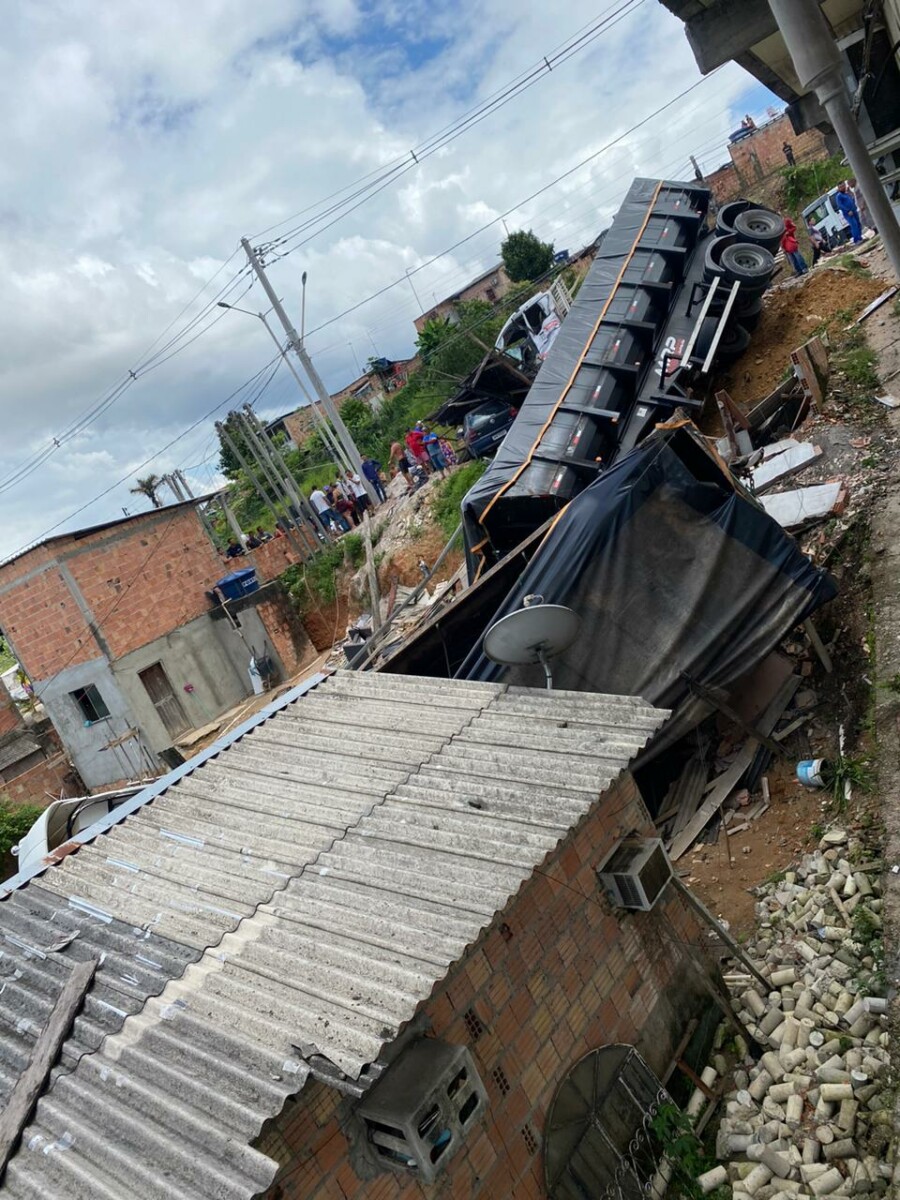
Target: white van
(826, 218)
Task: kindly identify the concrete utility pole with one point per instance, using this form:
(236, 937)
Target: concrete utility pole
(816, 59)
(343, 433)
(276, 484)
(260, 490)
(256, 435)
(322, 426)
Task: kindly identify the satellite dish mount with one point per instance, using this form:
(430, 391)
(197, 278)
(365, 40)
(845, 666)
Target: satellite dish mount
(535, 633)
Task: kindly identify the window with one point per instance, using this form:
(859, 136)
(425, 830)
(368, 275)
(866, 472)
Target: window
(92, 705)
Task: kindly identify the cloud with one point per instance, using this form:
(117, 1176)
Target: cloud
(139, 142)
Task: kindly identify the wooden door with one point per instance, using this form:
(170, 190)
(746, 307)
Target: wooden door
(166, 703)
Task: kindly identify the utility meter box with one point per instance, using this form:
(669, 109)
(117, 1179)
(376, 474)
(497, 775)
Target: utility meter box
(421, 1109)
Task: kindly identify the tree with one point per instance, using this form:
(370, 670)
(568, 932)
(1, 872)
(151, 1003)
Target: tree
(228, 463)
(148, 486)
(525, 256)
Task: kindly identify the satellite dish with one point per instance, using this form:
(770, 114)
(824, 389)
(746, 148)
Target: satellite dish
(533, 634)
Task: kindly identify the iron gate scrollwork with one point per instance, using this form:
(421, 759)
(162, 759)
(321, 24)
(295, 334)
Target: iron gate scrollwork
(599, 1143)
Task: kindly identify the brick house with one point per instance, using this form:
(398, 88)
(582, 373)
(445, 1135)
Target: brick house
(371, 387)
(115, 629)
(375, 872)
(490, 286)
(759, 155)
(33, 768)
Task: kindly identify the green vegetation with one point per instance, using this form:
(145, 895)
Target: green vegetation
(851, 263)
(868, 934)
(854, 372)
(805, 182)
(15, 821)
(6, 657)
(855, 771)
(673, 1130)
(449, 492)
(148, 486)
(314, 583)
(525, 256)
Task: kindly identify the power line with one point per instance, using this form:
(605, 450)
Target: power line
(540, 191)
(376, 180)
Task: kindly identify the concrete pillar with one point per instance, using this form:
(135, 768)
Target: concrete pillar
(817, 62)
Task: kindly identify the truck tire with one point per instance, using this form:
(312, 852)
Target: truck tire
(760, 227)
(715, 247)
(735, 341)
(728, 214)
(747, 263)
(749, 315)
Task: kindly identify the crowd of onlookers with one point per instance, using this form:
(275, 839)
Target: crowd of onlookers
(852, 207)
(340, 505)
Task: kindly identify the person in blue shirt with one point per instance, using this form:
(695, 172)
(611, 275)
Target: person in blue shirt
(846, 206)
(372, 472)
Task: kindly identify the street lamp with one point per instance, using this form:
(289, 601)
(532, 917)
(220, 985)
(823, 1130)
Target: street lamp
(318, 417)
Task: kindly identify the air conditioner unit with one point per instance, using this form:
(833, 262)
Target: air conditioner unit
(635, 873)
(423, 1106)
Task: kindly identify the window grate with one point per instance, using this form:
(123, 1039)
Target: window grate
(90, 703)
(473, 1023)
(528, 1136)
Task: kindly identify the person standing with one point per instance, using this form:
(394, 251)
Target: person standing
(816, 240)
(432, 445)
(415, 444)
(791, 247)
(354, 487)
(372, 472)
(323, 509)
(865, 217)
(846, 205)
(398, 456)
(788, 151)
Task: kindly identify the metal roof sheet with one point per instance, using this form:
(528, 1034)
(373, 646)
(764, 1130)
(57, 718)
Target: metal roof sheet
(17, 746)
(297, 894)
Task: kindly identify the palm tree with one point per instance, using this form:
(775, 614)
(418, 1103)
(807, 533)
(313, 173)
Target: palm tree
(149, 486)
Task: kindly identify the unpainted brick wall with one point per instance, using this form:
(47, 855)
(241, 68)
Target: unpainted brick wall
(761, 153)
(140, 580)
(271, 559)
(10, 717)
(286, 632)
(558, 973)
(45, 782)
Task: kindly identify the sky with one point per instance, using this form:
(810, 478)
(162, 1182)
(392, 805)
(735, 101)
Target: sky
(139, 143)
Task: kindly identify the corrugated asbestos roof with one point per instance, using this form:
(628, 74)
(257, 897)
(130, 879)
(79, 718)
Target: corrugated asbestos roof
(298, 894)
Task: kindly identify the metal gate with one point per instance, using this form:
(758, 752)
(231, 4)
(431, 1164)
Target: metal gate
(599, 1143)
(168, 706)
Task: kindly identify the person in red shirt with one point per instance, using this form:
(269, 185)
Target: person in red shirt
(791, 247)
(415, 443)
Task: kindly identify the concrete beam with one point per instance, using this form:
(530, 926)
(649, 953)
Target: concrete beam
(727, 29)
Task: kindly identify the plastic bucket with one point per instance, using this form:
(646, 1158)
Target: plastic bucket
(811, 772)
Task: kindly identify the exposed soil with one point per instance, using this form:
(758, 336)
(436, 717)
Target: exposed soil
(792, 312)
(770, 845)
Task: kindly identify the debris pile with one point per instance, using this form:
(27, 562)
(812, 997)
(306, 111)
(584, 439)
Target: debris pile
(812, 1115)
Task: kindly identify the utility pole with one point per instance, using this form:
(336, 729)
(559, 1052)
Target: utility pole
(319, 420)
(276, 485)
(279, 469)
(182, 490)
(810, 43)
(698, 174)
(343, 433)
(232, 521)
(254, 479)
(413, 286)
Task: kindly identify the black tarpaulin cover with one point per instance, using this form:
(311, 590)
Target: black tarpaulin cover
(514, 494)
(672, 569)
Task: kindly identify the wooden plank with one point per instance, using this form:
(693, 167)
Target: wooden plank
(876, 304)
(690, 790)
(728, 781)
(789, 462)
(31, 1082)
(737, 416)
(732, 714)
(722, 789)
(818, 645)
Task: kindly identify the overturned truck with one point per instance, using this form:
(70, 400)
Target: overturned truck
(605, 498)
(666, 300)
